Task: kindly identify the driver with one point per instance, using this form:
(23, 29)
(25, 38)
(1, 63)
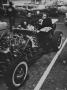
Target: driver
(45, 21)
(43, 36)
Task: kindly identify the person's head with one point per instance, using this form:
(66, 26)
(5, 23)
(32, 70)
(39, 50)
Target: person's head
(25, 23)
(19, 26)
(29, 15)
(44, 16)
(38, 12)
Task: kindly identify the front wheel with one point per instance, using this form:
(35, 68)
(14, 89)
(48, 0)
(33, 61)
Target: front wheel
(18, 75)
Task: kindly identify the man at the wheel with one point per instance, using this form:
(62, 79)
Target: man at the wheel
(45, 21)
(44, 34)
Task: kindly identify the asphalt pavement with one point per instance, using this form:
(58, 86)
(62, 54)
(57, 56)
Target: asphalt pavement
(57, 79)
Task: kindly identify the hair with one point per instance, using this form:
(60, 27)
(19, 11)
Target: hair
(10, 3)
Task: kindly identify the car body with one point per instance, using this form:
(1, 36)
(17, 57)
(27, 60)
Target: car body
(18, 49)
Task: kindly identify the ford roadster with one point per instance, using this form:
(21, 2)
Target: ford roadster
(18, 49)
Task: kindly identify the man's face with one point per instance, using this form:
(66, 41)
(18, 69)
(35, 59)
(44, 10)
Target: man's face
(44, 16)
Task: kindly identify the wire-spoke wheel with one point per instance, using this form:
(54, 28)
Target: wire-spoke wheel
(19, 74)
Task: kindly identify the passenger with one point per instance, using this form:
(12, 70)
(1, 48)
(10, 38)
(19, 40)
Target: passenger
(29, 23)
(29, 18)
(24, 24)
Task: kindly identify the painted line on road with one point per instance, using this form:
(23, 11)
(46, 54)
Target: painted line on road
(46, 73)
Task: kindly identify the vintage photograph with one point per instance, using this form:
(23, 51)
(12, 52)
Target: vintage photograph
(33, 44)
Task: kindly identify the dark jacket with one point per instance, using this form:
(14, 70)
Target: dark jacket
(47, 23)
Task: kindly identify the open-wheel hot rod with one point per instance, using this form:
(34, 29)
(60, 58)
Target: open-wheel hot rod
(19, 47)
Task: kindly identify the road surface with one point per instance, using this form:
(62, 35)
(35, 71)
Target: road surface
(57, 79)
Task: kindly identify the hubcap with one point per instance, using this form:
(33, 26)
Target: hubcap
(20, 72)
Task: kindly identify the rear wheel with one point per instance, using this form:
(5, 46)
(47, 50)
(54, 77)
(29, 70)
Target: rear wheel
(57, 40)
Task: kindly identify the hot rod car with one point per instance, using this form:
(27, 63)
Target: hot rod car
(19, 47)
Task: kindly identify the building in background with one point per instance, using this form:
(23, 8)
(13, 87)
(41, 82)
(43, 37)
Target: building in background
(31, 1)
(59, 2)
